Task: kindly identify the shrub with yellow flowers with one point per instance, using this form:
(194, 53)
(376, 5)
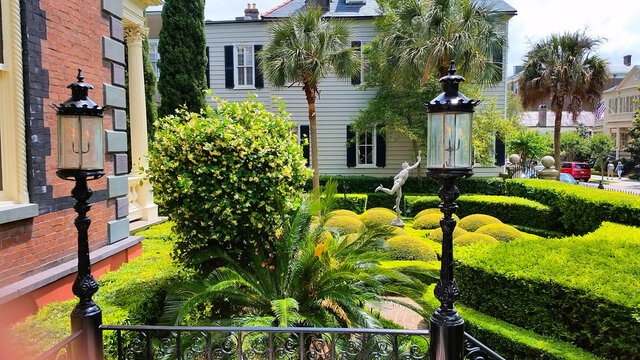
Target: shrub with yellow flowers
(225, 176)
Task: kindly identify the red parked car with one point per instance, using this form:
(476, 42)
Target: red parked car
(579, 170)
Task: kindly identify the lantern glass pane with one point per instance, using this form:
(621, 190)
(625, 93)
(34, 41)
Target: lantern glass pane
(463, 140)
(68, 142)
(91, 142)
(435, 148)
(451, 144)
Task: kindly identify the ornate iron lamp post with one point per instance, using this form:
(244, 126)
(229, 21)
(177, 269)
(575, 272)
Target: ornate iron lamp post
(449, 158)
(80, 159)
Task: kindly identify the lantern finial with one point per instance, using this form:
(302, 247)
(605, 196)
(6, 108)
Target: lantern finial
(452, 68)
(80, 76)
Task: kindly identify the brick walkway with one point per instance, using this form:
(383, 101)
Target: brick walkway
(401, 315)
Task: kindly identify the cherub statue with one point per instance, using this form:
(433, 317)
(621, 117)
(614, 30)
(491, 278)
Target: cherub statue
(398, 181)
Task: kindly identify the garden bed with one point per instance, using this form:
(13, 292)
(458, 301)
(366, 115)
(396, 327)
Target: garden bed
(581, 289)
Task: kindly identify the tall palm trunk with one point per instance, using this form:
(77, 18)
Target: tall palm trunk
(556, 132)
(310, 93)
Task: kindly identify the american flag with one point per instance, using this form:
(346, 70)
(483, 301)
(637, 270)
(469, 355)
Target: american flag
(600, 110)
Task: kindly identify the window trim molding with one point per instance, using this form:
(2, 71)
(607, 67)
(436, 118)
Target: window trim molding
(374, 150)
(235, 68)
(14, 167)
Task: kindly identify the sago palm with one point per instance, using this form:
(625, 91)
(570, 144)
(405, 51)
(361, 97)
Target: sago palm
(565, 69)
(312, 279)
(419, 38)
(304, 49)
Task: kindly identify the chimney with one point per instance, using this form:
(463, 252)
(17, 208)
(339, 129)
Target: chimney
(626, 60)
(251, 13)
(542, 116)
(517, 69)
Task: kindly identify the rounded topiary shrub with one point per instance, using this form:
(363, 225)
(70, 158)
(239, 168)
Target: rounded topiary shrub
(436, 235)
(476, 221)
(226, 176)
(427, 221)
(396, 231)
(407, 247)
(344, 213)
(501, 232)
(427, 212)
(345, 224)
(472, 238)
(378, 217)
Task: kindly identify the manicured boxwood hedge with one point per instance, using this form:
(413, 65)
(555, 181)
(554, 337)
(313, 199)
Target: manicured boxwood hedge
(583, 290)
(354, 202)
(511, 210)
(513, 342)
(579, 209)
(426, 185)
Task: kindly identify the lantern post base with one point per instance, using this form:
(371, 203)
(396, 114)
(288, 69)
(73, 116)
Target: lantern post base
(447, 326)
(86, 316)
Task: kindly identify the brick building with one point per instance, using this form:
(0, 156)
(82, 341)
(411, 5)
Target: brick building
(42, 44)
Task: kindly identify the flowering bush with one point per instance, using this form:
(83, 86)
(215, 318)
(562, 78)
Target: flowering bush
(224, 176)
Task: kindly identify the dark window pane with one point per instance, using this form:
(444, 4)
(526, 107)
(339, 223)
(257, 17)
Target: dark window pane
(566, 166)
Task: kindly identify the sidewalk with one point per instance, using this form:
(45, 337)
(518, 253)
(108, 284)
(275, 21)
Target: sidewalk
(625, 185)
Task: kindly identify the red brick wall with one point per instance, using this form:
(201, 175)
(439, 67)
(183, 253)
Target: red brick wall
(74, 30)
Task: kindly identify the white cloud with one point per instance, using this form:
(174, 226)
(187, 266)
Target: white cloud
(615, 20)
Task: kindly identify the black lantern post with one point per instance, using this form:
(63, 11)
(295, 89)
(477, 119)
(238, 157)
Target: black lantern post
(80, 160)
(449, 158)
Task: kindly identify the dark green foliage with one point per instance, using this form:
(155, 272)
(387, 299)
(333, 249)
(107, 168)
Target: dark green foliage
(225, 175)
(579, 289)
(578, 209)
(149, 90)
(183, 58)
(511, 210)
(426, 185)
(355, 202)
(513, 342)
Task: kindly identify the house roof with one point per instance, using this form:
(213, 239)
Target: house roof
(629, 79)
(530, 119)
(339, 8)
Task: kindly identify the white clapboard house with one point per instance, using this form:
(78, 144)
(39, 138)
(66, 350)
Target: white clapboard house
(234, 73)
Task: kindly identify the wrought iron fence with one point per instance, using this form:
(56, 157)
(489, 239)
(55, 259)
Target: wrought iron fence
(221, 343)
(63, 350)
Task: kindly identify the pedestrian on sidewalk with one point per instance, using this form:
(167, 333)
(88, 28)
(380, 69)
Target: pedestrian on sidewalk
(610, 168)
(619, 169)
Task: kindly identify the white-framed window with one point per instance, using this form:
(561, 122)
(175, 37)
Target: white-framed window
(13, 181)
(366, 148)
(154, 56)
(244, 66)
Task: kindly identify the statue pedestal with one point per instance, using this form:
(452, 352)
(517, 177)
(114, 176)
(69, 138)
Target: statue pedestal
(397, 222)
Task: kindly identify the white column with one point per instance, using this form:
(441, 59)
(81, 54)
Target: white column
(138, 118)
(617, 143)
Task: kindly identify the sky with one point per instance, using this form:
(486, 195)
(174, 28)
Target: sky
(617, 21)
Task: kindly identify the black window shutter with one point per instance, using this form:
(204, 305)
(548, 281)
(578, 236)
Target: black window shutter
(207, 71)
(381, 150)
(304, 134)
(258, 68)
(501, 152)
(355, 79)
(229, 82)
(351, 148)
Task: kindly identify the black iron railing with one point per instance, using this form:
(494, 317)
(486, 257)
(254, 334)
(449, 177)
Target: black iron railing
(62, 350)
(186, 343)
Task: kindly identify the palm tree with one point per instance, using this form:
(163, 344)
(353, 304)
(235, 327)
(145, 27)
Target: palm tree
(304, 49)
(565, 69)
(419, 38)
(310, 279)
